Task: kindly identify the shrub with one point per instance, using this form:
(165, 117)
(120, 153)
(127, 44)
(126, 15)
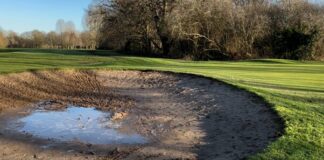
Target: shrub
(293, 43)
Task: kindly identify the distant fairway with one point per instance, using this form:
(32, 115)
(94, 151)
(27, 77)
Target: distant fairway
(296, 89)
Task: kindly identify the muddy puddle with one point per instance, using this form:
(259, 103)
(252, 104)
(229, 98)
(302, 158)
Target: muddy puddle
(74, 124)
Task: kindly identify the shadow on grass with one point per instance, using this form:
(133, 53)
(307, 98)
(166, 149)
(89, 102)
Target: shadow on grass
(282, 87)
(64, 51)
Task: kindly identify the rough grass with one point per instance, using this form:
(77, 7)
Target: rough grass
(295, 89)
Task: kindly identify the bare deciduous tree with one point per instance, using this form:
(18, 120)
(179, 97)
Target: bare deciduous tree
(3, 40)
(205, 29)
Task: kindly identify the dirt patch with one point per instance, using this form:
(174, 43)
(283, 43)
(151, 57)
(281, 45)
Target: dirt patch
(58, 88)
(183, 116)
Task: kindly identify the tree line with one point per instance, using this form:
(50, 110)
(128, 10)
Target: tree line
(65, 37)
(210, 29)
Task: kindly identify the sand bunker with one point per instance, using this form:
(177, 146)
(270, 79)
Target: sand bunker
(179, 116)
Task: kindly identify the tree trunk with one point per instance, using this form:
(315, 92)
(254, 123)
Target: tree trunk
(166, 44)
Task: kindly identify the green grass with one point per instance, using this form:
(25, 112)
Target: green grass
(295, 89)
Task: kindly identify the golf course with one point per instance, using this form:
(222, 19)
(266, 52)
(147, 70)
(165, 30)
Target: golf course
(294, 90)
(162, 80)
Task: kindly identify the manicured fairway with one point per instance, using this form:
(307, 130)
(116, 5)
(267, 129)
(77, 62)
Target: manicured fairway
(295, 89)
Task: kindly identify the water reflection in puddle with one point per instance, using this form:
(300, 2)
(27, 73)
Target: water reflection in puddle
(86, 125)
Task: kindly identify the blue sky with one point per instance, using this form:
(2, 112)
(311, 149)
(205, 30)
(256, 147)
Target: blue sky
(26, 15)
(317, 1)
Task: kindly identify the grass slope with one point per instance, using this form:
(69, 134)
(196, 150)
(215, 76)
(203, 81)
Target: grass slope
(296, 89)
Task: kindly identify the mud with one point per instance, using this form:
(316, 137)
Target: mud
(182, 116)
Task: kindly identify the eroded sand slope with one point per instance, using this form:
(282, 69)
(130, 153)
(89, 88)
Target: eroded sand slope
(184, 116)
